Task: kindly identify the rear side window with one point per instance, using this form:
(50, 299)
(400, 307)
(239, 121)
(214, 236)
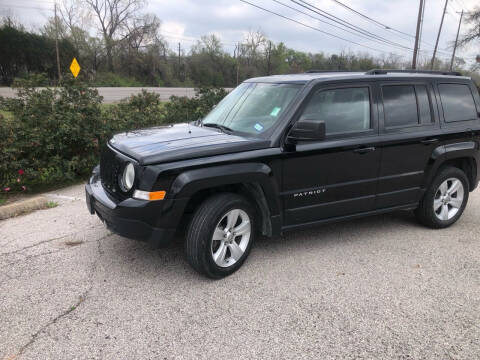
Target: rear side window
(457, 102)
(343, 110)
(424, 114)
(406, 105)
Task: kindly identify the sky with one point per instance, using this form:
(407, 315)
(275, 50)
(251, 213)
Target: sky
(185, 21)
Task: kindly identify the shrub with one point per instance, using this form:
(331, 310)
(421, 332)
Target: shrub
(32, 79)
(55, 134)
(138, 111)
(181, 108)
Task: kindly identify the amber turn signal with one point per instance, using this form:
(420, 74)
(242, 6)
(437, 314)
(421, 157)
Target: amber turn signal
(146, 195)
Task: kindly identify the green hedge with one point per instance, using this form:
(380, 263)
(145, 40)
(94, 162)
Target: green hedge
(55, 135)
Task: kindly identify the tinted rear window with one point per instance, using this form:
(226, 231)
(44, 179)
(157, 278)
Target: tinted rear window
(400, 105)
(457, 102)
(424, 113)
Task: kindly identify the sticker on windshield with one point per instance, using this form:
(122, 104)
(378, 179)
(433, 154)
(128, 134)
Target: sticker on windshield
(258, 127)
(275, 111)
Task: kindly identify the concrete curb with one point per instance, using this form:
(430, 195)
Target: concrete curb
(23, 207)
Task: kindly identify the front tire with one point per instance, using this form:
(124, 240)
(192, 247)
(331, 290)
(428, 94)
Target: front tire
(445, 199)
(220, 235)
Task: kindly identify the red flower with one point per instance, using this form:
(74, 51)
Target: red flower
(21, 172)
(7, 189)
(24, 188)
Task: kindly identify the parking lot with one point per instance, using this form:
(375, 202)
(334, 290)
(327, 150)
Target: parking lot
(382, 287)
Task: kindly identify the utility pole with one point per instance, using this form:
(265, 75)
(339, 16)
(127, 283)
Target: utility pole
(56, 45)
(238, 61)
(456, 40)
(438, 35)
(179, 61)
(415, 48)
(269, 65)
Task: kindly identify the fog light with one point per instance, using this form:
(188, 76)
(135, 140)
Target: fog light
(146, 195)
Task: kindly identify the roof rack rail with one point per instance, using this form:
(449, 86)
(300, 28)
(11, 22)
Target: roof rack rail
(325, 71)
(431, 72)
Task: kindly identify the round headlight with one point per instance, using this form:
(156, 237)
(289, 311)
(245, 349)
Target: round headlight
(128, 177)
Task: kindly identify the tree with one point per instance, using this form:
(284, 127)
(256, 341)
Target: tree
(113, 17)
(142, 50)
(473, 33)
(23, 52)
(208, 63)
(74, 17)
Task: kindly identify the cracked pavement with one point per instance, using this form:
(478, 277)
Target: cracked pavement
(382, 287)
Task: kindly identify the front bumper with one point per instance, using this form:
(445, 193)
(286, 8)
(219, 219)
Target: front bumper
(152, 221)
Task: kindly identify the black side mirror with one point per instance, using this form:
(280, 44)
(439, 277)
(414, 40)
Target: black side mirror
(307, 130)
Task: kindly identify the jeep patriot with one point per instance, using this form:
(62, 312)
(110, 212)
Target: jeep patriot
(290, 151)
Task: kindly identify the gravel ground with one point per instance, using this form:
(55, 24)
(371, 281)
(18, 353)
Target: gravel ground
(376, 288)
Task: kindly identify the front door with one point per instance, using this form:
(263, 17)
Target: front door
(338, 176)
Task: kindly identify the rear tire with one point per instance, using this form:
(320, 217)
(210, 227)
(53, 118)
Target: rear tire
(220, 235)
(445, 199)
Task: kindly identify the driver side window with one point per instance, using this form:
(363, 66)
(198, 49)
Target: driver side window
(343, 110)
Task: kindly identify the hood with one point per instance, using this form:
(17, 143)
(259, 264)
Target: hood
(180, 142)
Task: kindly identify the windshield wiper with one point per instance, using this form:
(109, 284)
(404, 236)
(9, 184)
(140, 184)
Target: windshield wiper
(223, 128)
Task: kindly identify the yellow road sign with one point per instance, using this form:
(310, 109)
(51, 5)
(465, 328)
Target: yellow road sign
(75, 67)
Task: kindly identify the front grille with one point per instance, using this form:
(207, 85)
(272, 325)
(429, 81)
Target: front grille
(111, 166)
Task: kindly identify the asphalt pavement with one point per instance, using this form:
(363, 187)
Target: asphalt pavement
(381, 287)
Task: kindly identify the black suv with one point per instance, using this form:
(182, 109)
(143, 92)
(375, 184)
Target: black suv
(284, 152)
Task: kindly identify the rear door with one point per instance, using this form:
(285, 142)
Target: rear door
(407, 121)
(335, 177)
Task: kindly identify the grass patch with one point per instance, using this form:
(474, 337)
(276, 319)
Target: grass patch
(106, 107)
(6, 115)
(51, 204)
(3, 201)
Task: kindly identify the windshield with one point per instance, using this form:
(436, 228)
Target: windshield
(252, 107)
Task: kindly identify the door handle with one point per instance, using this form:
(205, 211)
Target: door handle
(364, 150)
(429, 141)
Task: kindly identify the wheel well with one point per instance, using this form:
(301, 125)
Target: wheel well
(253, 192)
(467, 165)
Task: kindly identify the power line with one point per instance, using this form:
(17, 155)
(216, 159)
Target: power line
(453, 10)
(342, 22)
(194, 40)
(378, 23)
(190, 38)
(384, 26)
(354, 27)
(311, 27)
(25, 7)
(462, 5)
(326, 22)
(51, 2)
(27, 4)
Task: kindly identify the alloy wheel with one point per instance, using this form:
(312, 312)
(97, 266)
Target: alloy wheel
(448, 199)
(231, 237)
